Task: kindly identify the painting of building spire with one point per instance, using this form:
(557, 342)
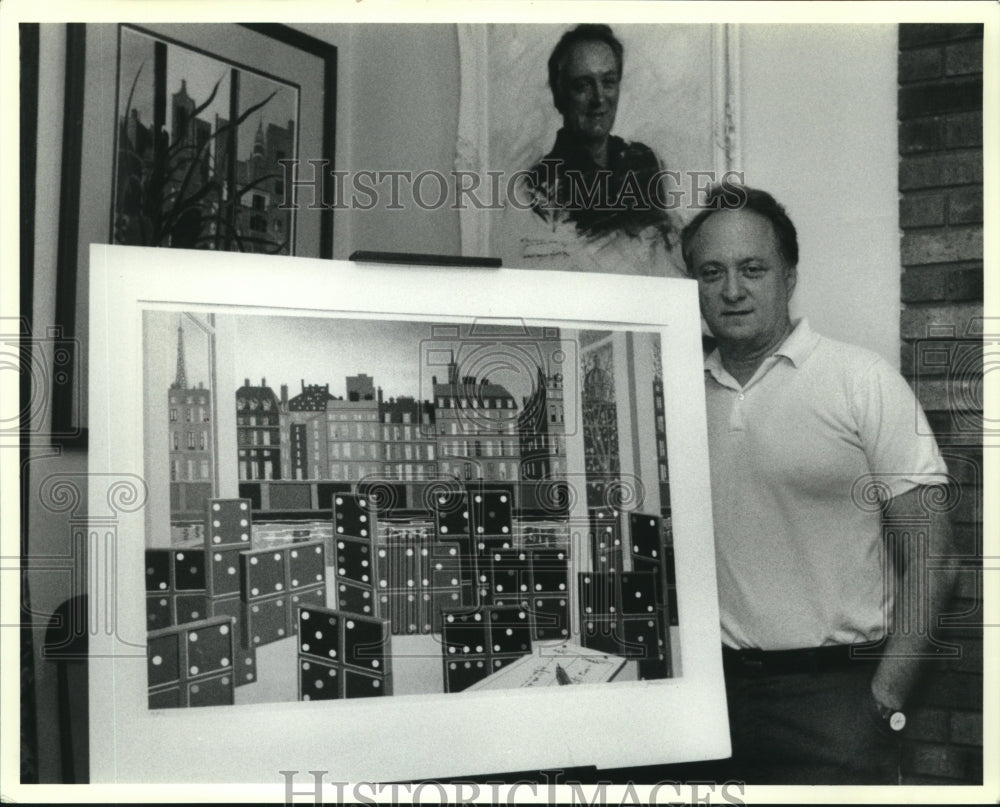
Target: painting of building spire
(191, 442)
(180, 381)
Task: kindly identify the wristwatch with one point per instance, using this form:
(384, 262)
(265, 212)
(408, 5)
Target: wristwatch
(895, 719)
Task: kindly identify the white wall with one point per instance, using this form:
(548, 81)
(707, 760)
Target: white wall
(405, 117)
(819, 133)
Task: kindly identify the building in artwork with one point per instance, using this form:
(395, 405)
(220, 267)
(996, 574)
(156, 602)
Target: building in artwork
(260, 185)
(662, 469)
(258, 432)
(354, 436)
(191, 134)
(410, 443)
(477, 429)
(191, 444)
(304, 434)
(542, 430)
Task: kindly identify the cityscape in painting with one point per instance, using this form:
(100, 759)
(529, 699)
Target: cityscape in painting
(477, 536)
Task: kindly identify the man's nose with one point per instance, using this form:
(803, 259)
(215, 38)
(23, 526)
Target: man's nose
(732, 287)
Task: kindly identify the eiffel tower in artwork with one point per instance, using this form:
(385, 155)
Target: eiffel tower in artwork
(180, 382)
(191, 443)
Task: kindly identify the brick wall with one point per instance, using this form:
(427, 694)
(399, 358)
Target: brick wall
(941, 216)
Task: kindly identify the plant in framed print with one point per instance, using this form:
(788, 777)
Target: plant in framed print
(197, 151)
(174, 135)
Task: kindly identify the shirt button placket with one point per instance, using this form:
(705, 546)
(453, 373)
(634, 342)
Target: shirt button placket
(736, 420)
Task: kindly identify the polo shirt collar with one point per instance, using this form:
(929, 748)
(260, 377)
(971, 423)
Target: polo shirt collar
(799, 344)
(796, 348)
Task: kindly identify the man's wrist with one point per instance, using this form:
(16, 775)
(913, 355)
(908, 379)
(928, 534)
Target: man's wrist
(894, 718)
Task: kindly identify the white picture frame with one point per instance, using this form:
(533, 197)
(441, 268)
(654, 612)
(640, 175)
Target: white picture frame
(237, 750)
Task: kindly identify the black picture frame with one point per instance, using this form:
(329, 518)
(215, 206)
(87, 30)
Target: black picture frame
(68, 378)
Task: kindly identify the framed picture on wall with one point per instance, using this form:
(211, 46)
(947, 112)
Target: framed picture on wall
(174, 137)
(418, 522)
(678, 96)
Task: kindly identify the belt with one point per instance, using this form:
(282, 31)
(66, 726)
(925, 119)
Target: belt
(752, 662)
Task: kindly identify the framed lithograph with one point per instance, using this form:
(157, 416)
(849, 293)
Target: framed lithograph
(429, 526)
(173, 137)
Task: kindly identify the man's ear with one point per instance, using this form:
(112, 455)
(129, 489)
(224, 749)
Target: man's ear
(791, 278)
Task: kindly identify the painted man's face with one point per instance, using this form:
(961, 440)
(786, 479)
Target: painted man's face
(589, 80)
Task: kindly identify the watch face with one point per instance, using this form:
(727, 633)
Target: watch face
(897, 721)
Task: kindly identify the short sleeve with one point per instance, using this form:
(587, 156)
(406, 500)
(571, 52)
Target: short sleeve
(898, 441)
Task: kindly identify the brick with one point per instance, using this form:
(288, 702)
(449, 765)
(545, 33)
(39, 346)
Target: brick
(919, 322)
(967, 533)
(956, 95)
(942, 245)
(922, 285)
(965, 431)
(920, 64)
(932, 759)
(962, 58)
(916, 34)
(963, 625)
(956, 429)
(940, 422)
(965, 465)
(941, 354)
(968, 511)
(948, 394)
(929, 725)
(921, 134)
(969, 585)
(965, 206)
(961, 435)
(964, 167)
(967, 728)
(952, 690)
(959, 388)
(963, 130)
(922, 210)
(971, 660)
(941, 282)
(965, 284)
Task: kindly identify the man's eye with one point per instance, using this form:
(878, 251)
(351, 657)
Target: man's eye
(709, 275)
(753, 270)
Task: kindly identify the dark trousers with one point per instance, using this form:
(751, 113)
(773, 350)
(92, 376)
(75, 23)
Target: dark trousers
(803, 728)
(810, 728)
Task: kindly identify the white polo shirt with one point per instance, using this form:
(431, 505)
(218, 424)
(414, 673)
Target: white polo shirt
(793, 455)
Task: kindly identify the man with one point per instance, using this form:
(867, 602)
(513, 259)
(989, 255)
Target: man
(595, 200)
(802, 432)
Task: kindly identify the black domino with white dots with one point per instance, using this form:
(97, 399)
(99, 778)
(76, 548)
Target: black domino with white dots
(191, 664)
(476, 643)
(228, 524)
(342, 655)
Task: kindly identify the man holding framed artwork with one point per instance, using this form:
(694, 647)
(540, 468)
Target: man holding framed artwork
(816, 448)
